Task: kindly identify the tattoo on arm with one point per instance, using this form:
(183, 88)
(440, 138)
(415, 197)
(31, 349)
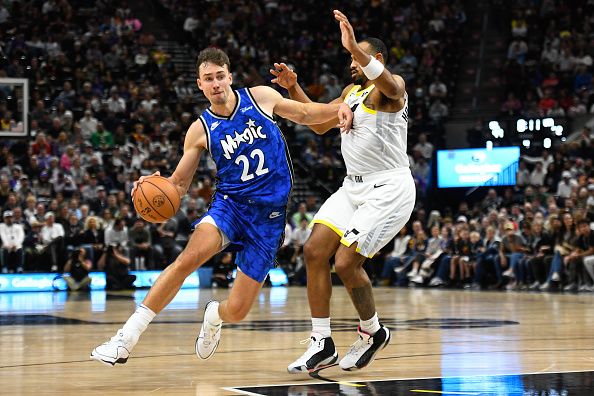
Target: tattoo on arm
(363, 300)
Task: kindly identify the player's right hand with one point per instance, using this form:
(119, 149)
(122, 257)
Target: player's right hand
(345, 118)
(284, 76)
(137, 182)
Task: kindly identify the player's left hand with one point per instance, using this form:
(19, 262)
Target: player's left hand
(347, 34)
(345, 118)
(283, 76)
(137, 182)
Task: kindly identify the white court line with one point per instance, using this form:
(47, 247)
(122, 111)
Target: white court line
(233, 388)
(242, 392)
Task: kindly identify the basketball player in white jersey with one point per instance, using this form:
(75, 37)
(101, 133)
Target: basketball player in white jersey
(373, 204)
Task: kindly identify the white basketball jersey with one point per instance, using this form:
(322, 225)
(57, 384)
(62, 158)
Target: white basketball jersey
(377, 140)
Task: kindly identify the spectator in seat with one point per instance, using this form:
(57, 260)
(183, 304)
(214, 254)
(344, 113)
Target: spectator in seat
(93, 238)
(301, 214)
(141, 245)
(166, 247)
(577, 277)
(12, 237)
(52, 237)
(73, 232)
(565, 186)
(118, 235)
(299, 236)
(424, 147)
(397, 257)
(564, 243)
(540, 256)
(511, 252)
(35, 253)
(537, 176)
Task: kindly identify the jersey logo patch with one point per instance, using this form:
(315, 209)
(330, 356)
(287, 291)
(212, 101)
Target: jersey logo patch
(214, 125)
(244, 109)
(353, 231)
(249, 134)
(274, 215)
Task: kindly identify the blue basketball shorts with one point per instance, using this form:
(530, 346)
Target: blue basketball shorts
(254, 231)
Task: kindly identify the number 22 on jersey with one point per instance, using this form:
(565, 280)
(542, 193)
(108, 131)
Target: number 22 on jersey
(243, 160)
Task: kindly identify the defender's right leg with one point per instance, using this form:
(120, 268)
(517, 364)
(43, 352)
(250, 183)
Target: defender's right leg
(319, 248)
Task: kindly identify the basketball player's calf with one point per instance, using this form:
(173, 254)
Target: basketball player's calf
(373, 336)
(321, 351)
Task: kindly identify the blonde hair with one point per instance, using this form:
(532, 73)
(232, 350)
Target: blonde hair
(88, 220)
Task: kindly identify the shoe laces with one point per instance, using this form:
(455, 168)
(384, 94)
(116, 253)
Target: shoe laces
(210, 332)
(119, 337)
(311, 342)
(360, 343)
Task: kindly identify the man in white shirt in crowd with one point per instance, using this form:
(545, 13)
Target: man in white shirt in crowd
(88, 125)
(52, 236)
(299, 237)
(566, 185)
(424, 147)
(118, 236)
(537, 175)
(12, 236)
(115, 103)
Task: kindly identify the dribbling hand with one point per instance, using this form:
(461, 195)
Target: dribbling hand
(345, 118)
(137, 182)
(284, 76)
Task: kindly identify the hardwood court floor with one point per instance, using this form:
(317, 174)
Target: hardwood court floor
(46, 339)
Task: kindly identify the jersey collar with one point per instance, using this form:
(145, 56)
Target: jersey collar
(222, 117)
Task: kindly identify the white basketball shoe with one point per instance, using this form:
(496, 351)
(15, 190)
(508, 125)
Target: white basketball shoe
(116, 350)
(363, 351)
(210, 335)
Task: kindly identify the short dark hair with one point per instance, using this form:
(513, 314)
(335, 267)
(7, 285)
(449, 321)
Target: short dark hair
(377, 45)
(212, 55)
(583, 221)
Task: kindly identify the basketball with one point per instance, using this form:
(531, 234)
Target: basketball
(156, 199)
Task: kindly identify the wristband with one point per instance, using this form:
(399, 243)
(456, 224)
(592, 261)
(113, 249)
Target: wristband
(374, 69)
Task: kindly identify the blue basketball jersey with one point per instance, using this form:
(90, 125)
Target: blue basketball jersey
(250, 152)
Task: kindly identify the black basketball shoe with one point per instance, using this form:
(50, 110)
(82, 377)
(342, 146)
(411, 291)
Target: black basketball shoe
(320, 353)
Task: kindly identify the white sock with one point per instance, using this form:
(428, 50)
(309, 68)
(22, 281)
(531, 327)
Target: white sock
(370, 326)
(212, 314)
(139, 320)
(320, 327)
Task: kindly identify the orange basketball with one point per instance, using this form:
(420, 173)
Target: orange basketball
(156, 199)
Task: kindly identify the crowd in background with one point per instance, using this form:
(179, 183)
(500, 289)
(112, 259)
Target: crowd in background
(549, 59)
(108, 105)
(423, 39)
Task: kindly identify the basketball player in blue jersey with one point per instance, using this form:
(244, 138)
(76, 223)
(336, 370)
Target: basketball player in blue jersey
(248, 211)
(373, 204)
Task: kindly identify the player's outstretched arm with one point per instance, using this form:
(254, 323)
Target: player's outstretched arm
(391, 85)
(194, 145)
(303, 113)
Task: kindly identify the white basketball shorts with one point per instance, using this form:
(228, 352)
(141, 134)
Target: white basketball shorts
(370, 209)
